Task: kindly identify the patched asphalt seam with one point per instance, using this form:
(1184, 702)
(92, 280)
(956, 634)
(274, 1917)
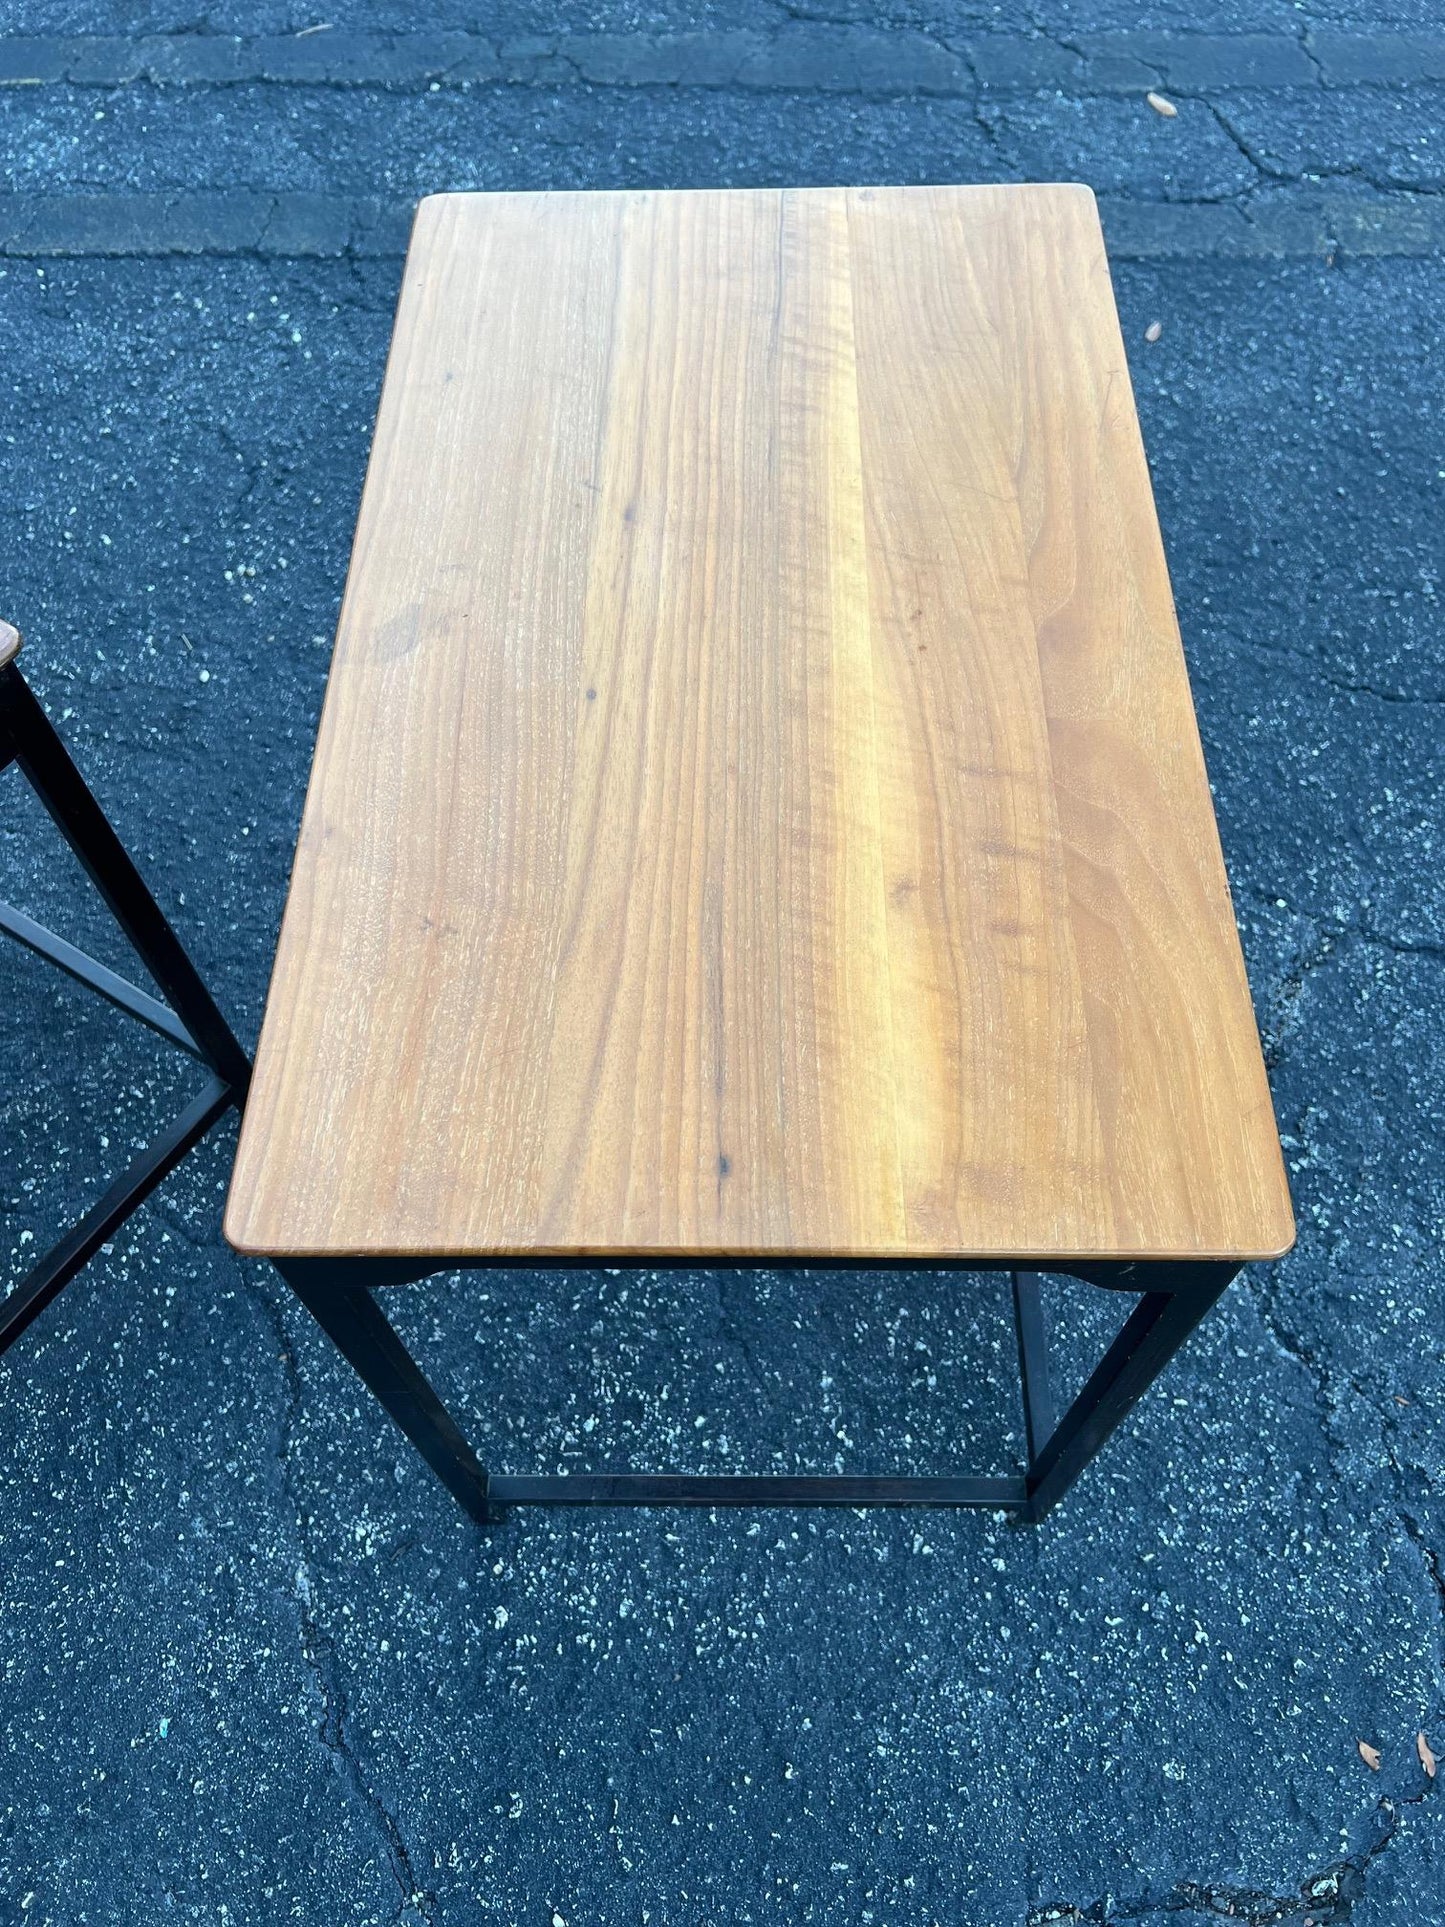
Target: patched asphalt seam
(272, 224)
(821, 54)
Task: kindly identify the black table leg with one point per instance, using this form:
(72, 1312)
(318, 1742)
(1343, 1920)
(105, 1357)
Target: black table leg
(1033, 1361)
(361, 1331)
(1151, 1334)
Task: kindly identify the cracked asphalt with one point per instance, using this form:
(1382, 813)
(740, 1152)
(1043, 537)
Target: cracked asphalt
(253, 1665)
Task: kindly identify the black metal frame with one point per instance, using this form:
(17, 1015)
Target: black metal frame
(188, 1019)
(1172, 1298)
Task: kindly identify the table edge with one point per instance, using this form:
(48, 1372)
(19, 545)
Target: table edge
(763, 1256)
(446, 196)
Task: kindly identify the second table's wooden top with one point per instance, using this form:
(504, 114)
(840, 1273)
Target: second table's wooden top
(758, 805)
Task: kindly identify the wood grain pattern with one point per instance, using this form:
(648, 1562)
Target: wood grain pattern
(758, 805)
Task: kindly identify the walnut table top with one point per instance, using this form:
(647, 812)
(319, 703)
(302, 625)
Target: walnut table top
(758, 807)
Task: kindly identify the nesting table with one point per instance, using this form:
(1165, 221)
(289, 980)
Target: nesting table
(188, 1018)
(758, 817)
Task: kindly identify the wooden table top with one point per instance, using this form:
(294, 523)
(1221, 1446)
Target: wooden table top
(758, 806)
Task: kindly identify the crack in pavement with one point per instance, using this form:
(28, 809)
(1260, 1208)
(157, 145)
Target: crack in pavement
(1415, 1532)
(414, 1902)
(1275, 174)
(1403, 698)
(1307, 49)
(1324, 1899)
(1329, 940)
(1327, 1898)
(1284, 1014)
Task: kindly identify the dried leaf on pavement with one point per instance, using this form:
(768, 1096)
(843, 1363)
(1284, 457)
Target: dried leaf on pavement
(1427, 1758)
(1370, 1755)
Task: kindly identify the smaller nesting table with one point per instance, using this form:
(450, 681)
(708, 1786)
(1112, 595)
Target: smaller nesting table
(758, 817)
(187, 1018)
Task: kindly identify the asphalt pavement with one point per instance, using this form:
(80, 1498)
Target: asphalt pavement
(254, 1667)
